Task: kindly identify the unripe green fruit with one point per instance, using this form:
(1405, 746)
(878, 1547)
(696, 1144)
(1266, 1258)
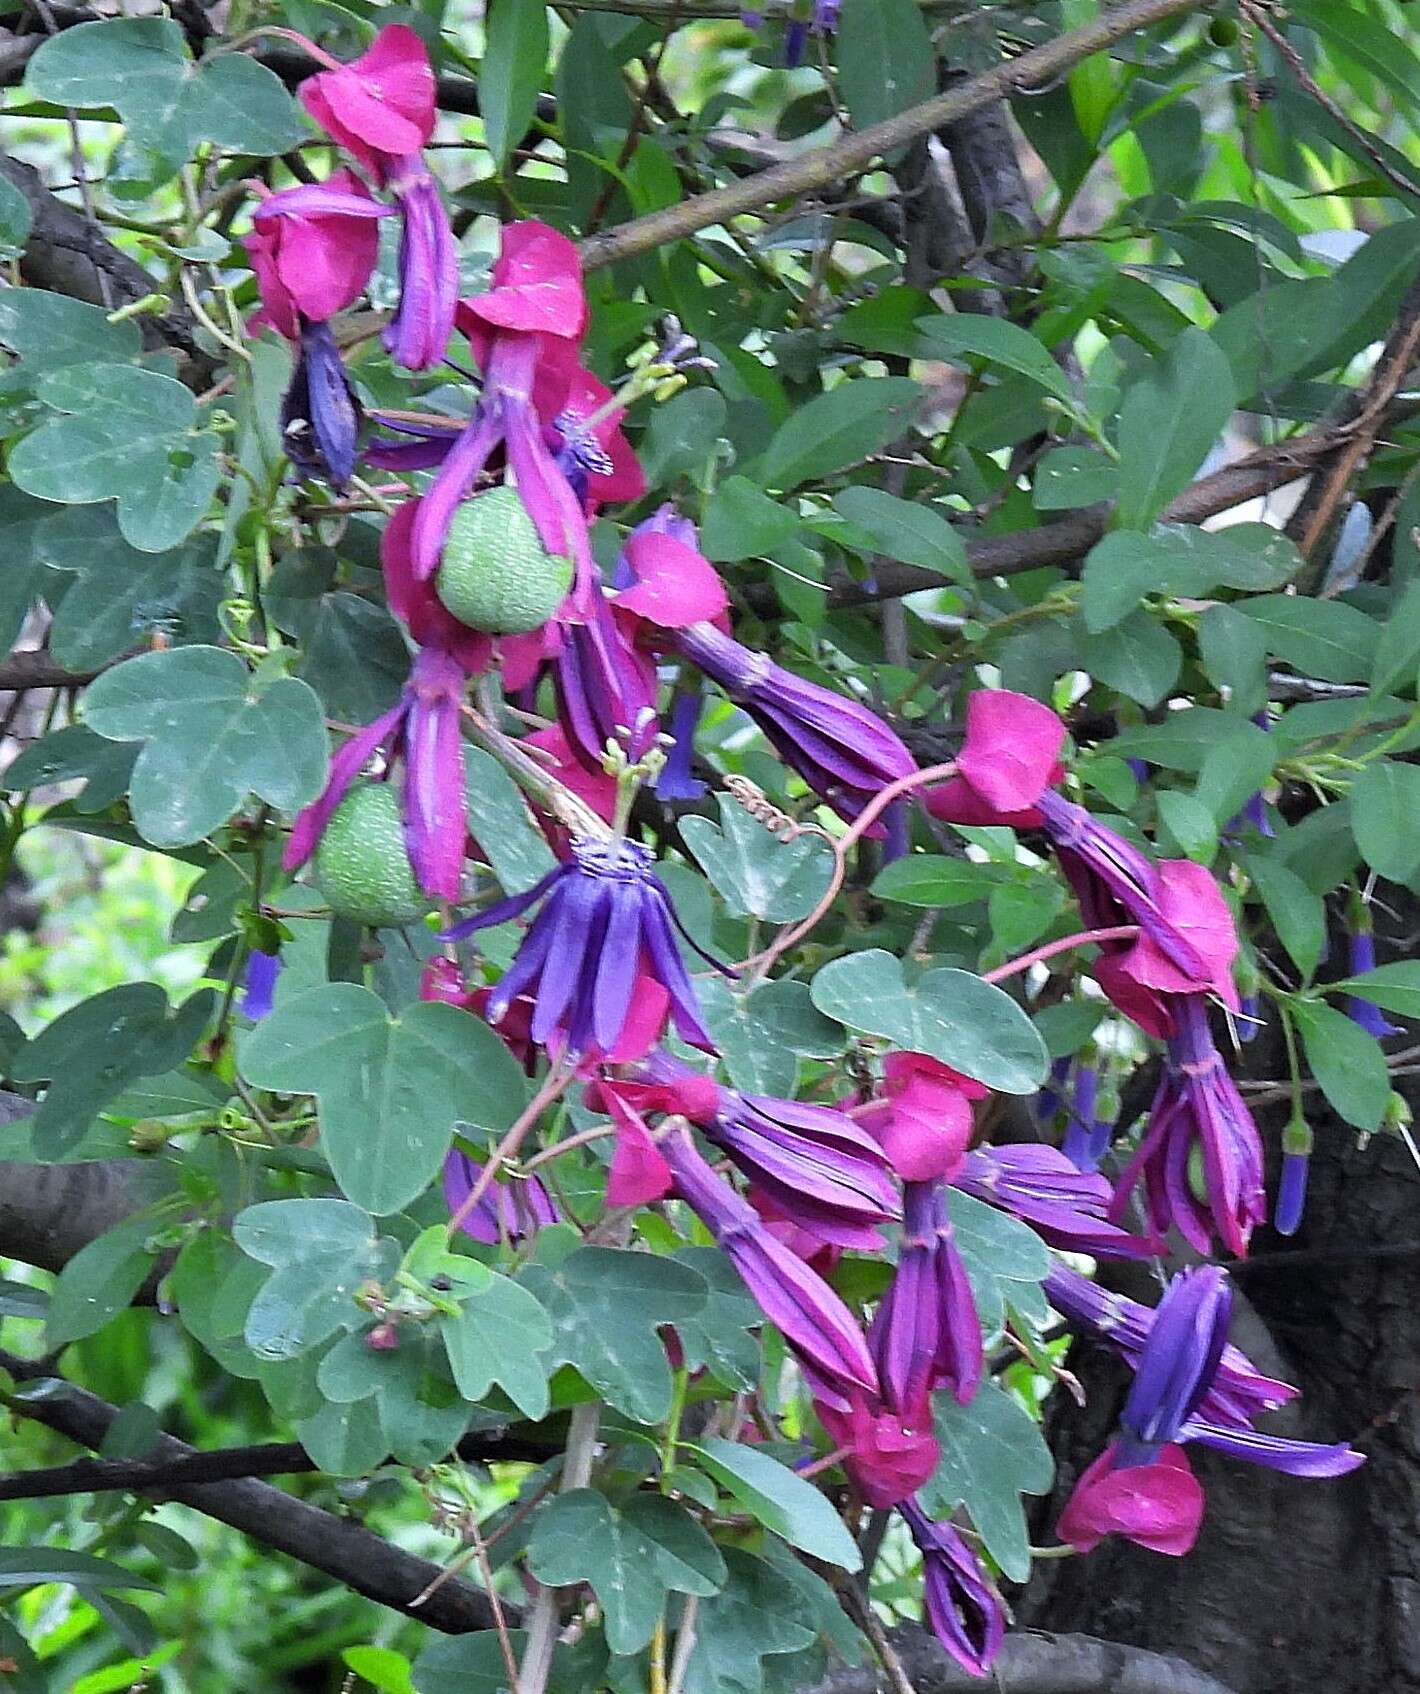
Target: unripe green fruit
(495, 574)
(1223, 32)
(362, 865)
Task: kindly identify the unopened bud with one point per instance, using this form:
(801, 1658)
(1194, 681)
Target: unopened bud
(383, 1338)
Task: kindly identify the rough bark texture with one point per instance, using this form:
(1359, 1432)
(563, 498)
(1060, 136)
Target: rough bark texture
(1295, 1587)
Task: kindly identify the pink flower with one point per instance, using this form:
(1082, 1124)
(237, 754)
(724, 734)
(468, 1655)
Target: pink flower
(888, 1458)
(524, 333)
(313, 249)
(536, 288)
(381, 106)
(671, 584)
(1011, 755)
(596, 456)
(924, 1121)
(1158, 1505)
(594, 787)
(1141, 977)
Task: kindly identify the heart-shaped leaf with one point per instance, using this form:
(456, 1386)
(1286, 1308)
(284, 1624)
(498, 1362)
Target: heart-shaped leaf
(951, 1015)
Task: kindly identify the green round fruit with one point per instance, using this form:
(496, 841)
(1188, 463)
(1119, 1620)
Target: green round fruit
(362, 865)
(1223, 32)
(495, 574)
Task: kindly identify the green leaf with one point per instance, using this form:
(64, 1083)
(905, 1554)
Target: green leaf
(1004, 1258)
(124, 595)
(517, 850)
(1398, 650)
(758, 1614)
(838, 429)
(960, 335)
(1385, 803)
(420, 1409)
(1190, 825)
(75, 754)
(992, 1453)
(930, 879)
(763, 1034)
(757, 874)
(345, 1439)
(742, 522)
(632, 1556)
(354, 655)
(381, 1667)
(1168, 422)
(514, 60)
(1183, 741)
(132, 436)
(1067, 477)
(474, 1664)
(98, 1282)
(1296, 913)
(391, 1090)
(16, 220)
(885, 61)
(168, 102)
(1395, 988)
(48, 331)
(682, 434)
(213, 734)
(605, 1304)
(1321, 638)
(1138, 657)
(1233, 650)
(497, 1337)
(1181, 559)
(1347, 1063)
(917, 534)
(100, 1047)
(951, 1015)
(27, 1567)
(780, 1499)
(321, 1251)
(718, 1337)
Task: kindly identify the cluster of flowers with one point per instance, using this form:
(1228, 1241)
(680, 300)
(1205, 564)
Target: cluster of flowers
(599, 977)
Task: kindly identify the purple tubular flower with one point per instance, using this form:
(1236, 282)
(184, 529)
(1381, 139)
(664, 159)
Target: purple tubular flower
(605, 916)
(926, 1331)
(963, 1609)
(260, 985)
(1360, 958)
(1064, 1205)
(798, 1302)
(1179, 1361)
(604, 688)
(1110, 876)
(1198, 1104)
(843, 751)
(1175, 1394)
(320, 416)
(1238, 1392)
(1080, 1123)
(428, 269)
(428, 445)
(677, 780)
(507, 1211)
(1291, 1193)
(1275, 1452)
(1047, 1102)
(424, 729)
(505, 416)
(813, 1162)
(1250, 1020)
